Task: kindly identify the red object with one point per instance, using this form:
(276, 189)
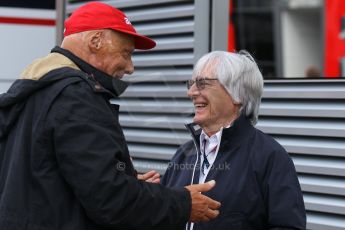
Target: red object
(27, 21)
(231, 30)
(97, 15)
(334, 45)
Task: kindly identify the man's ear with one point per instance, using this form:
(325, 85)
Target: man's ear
(95, 41)
(239, 104)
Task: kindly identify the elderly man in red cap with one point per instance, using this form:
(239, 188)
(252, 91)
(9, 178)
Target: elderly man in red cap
(64, 161)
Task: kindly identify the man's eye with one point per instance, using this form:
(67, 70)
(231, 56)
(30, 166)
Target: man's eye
(127, 55)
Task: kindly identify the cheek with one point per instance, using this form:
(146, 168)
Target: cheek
(118, 63)
(214, 103)
(217, 106)
(113, 64)
(125, 62)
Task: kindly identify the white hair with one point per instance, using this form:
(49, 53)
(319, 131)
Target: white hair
(239, 74)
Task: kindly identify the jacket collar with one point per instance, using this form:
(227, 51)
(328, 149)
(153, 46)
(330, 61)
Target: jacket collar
(114, 86)
(238, 131)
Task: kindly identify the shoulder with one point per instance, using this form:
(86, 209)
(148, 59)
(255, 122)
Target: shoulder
(269, 159)
(266, 151)
(78, 100)
(267, 143)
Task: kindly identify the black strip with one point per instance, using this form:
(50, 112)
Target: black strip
(34, 4)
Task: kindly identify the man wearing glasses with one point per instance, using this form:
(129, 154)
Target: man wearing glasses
(256, 180)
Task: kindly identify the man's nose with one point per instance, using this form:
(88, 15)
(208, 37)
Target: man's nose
(130, 67)
(193, 91)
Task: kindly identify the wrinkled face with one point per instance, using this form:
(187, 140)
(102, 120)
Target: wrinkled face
(115, 56)
(214, 107)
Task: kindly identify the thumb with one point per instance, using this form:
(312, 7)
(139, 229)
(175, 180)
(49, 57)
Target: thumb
(204, 187)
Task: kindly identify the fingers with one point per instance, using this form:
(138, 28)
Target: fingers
(204, 217)
(202, 187)
(201, 210)
(203, 207)
(213, 204)
(154, 179)
(151, 176)
(211, 214)
(146, 175)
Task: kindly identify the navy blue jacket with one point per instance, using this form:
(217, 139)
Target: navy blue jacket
(64, 162)
(256, 181)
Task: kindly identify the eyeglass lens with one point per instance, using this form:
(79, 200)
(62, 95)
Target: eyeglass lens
(200, 82)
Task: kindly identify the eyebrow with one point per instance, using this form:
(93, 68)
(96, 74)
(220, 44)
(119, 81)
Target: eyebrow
(130, 50)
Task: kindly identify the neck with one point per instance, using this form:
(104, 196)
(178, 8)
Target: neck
(213, 129)
(209, 131)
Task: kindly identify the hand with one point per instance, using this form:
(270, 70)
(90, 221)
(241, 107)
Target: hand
(152, 177)
(203, 207)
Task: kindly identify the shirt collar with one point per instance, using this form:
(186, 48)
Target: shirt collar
(217, 137)
(213, 140)
(114, 85)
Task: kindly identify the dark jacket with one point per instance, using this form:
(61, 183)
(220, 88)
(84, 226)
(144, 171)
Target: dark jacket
(256, 181)
(64, 162)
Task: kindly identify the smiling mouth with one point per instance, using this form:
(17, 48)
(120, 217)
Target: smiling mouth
(200, 105)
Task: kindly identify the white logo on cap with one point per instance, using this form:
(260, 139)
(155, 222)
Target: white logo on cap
(127, 21)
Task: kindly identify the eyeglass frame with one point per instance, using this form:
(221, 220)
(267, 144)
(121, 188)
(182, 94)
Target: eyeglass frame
(200, 82)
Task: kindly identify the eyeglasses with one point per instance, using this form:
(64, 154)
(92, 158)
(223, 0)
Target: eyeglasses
(200, 82)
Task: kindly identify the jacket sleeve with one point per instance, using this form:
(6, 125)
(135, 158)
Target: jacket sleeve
(283, 195)
(87, 149)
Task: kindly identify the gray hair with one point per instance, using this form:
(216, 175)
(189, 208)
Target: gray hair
(240, 76)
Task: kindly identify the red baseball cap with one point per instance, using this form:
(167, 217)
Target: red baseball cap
(97, 15)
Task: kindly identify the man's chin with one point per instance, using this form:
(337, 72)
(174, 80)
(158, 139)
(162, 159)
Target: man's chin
(197, 121)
